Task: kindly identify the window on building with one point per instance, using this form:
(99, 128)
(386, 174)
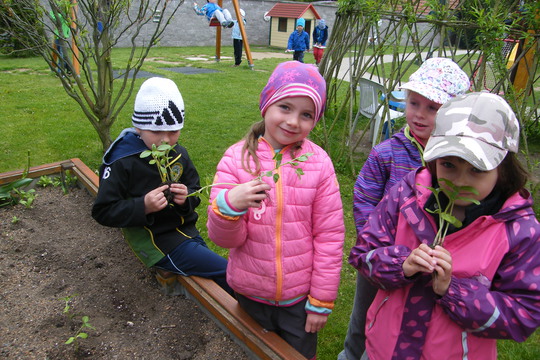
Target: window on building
(282, 24)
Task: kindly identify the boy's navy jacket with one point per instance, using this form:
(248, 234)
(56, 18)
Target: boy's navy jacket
(320, 35)
(125, 179)
(298, 41)
(128, 143)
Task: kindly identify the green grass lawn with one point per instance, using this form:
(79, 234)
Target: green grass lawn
(38, 116)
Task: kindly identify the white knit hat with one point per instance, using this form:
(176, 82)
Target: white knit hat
(158, 106)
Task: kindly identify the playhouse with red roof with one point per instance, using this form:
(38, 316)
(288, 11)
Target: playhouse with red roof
(283, 18)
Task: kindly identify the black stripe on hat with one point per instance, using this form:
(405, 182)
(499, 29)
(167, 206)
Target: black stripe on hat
(170, 116)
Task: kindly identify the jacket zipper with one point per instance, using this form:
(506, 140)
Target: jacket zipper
(378, 308)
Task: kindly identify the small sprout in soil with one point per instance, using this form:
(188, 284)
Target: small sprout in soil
(69, 179)
(15, 219)
(26, 198)
(80, 334)
(85, 323)
(45, 181)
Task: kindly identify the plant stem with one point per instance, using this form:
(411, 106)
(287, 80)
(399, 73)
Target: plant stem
(200, 191)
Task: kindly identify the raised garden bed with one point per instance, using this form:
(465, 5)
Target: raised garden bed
(56, 251)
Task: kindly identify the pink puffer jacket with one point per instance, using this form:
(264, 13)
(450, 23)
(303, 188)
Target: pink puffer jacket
(292, 246)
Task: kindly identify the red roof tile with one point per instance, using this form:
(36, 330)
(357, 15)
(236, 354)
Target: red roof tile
(295, 11)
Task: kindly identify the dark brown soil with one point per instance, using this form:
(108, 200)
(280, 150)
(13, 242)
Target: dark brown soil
(56, 250)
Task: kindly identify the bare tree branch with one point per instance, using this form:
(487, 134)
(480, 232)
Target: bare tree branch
(95, 28)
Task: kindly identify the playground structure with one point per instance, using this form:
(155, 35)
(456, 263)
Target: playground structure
(242, 27)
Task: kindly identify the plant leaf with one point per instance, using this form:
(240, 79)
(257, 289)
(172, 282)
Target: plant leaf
(470, 189)
(451, 219)
(278, 157)
(276, 177)
(474, 201)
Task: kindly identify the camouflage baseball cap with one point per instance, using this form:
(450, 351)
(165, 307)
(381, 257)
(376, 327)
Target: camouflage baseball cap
(480, 128)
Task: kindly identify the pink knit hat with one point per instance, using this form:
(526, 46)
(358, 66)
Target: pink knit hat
(293, 79)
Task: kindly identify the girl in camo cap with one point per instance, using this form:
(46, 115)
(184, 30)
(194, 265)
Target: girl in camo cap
(453, 302)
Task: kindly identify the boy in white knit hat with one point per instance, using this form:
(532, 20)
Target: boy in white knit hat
(162, 233)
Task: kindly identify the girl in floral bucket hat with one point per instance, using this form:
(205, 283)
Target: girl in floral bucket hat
(433, 84)
(455, 299)
(286, 236)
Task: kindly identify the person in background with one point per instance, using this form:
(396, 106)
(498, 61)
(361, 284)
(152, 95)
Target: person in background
(237, 39)
(62, 33)
(433, 84)
(298, 41)
(212, 9)
(320, 35)
(454, 299)
(286, 236)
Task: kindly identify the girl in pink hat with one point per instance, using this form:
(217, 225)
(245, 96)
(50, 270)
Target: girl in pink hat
(286, 236)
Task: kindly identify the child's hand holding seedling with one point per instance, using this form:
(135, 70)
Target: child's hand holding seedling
(249, 194)
(179, 192)
(437, 261)
(419, 260)
(443, 270)
(155, 200)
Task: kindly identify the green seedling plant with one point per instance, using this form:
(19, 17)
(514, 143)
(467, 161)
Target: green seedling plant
(45, 181)
(15, 220)
(8, 192)
(85, 323)
(26, 198)
(67, 181)
(445, 214)
(80, 334)
(160, 157)
(270, 173)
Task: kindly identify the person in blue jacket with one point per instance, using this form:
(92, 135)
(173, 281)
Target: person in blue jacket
(299, 41)
(238, 40)
(320, 35)
(211, 9)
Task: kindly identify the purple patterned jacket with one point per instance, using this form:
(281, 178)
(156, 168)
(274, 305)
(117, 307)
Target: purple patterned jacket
(495, 288)
(387, 163)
